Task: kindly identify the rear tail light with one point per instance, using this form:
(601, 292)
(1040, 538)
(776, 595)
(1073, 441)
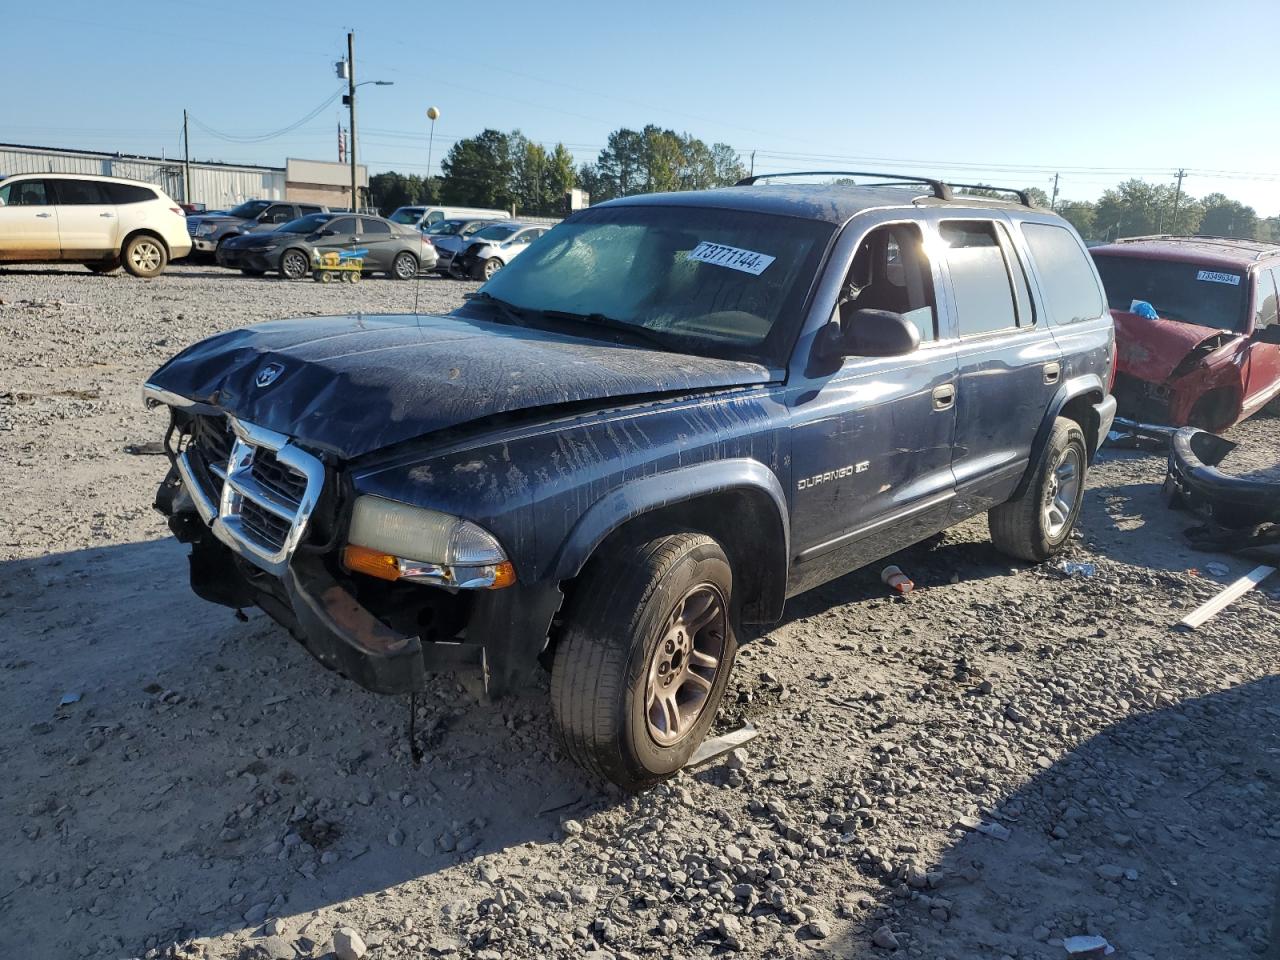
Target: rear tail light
(179, 211)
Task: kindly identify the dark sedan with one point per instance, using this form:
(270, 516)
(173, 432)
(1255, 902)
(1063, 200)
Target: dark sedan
(390, 248)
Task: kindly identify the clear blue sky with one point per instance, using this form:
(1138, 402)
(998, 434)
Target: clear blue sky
(1006, 92)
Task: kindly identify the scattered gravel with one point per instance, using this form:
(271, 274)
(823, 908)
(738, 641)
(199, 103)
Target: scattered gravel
(1004, 759)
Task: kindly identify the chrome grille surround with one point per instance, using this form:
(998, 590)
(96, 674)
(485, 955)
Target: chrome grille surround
(237, 517)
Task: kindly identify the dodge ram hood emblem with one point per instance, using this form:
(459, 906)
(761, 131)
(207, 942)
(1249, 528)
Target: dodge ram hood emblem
(269, 374)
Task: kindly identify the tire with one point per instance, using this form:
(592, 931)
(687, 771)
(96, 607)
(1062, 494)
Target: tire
(404, 267)
(144, 255)
(110, 266)
(1038, 524)
(248, 272)
(622, 638)
(294, 264)
(486, 268)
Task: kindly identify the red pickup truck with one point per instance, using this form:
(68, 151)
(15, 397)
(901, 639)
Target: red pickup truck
(1197, 334)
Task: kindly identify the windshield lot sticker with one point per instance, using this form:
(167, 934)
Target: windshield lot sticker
(1214, 277)
(735, 258)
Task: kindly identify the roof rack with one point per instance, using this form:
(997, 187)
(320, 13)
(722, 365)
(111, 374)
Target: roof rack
(1023, 196)
(940, 189)
(1268, 247)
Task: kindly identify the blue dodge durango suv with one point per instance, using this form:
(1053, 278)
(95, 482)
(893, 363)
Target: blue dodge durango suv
(669, 415)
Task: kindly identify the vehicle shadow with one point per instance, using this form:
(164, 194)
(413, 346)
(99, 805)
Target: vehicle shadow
(210, 774)
(1160, 833)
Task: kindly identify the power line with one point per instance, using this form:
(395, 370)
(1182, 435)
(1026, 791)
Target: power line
(262, 138)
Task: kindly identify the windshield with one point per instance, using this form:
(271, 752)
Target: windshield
(308, 224)
(723, 282)
(249, 209)
(409, 215)
(1186, 292)
(445, 228)
(497, 233)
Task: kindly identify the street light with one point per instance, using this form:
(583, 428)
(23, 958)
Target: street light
(433, 114)
(351, 103)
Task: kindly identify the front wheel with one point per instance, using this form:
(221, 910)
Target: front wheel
(145, 256)
(648, 646)
(485, 269)
(1038, 523)
(294, 265)
(405, 266)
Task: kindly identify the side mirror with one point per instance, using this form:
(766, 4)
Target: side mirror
(877, 333)
(326, 232)
(1268, 334)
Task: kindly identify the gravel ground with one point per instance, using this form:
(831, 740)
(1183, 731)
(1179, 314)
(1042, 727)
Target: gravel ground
(1005, 758)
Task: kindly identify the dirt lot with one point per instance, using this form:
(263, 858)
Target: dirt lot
(1007, 758)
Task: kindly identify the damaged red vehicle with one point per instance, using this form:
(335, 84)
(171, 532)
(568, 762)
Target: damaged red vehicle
(1197, 333)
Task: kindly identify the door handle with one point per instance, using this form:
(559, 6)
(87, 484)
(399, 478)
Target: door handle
(106, 214)
(944, 397)
(44, 216)
(1052, 371)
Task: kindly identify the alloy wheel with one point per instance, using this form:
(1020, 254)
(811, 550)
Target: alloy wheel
(685, 663)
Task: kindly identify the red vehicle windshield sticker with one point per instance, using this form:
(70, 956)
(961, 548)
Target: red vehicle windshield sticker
(1214, 277)
(735, 258)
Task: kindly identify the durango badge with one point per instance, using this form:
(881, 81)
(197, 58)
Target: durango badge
(269, 374)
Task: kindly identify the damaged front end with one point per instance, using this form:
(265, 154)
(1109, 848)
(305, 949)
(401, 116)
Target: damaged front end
(1176, 374)
(268, 522)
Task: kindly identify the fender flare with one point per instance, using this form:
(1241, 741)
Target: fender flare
(1073, 389)
(646, 494)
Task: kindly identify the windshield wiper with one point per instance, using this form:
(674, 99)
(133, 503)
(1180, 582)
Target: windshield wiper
(508, 310)
(609, 323)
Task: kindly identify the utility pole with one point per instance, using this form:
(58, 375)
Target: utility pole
(753, 164)
(1177, 198)
(1053, 204)
(186, 159)
(351, 102)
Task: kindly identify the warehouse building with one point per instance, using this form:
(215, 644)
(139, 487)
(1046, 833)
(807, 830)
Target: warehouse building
(216, 185)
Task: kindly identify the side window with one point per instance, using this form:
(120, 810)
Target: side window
(341, 225)
(279, 213)
(1067, 282)
(81, 193)
(129, 193)
(25, 193)
(1018, 270)
(371, 226)
(891, 272)
(1264, 314)
(435, 215)
(306, 210)
(980, 278)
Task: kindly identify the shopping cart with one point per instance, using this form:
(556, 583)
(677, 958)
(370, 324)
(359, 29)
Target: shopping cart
(345, 265)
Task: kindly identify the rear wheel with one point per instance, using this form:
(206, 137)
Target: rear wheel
(144, 256)
(1038, 524)
(646, 654)
(294, 265)
(405, 266)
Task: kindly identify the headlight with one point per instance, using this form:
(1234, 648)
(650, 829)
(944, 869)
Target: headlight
(395, 541)
(204, 229)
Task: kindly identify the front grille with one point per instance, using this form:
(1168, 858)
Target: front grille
(191, 227)
(276, 477)
(271, 531)
(256, 488)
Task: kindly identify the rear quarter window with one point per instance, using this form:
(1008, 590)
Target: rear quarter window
(129, 193)
(1067, 281)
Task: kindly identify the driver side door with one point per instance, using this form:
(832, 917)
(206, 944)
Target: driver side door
(337, 236)
(872, 442)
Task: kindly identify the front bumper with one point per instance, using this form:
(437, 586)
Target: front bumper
(237, 258)
(1194, 480)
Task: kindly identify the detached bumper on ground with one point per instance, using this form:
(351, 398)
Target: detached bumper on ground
(1195, 480)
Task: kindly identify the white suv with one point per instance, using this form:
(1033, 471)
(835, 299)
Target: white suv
(102, 222)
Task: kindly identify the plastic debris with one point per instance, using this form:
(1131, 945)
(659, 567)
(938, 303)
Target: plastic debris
(1217, 569)
(70, 698)
(1088, 947)
(714, 747)
(896, 580)
(1072, 569)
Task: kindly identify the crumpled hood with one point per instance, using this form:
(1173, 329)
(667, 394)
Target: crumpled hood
(355, 384)
(1151, 349)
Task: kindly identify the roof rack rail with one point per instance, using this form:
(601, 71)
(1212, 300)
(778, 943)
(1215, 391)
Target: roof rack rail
(940, 190)
(1023, 196)
(1270, 248)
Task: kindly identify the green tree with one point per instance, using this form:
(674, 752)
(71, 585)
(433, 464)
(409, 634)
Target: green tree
(560, 178)
(621, 169)
(1135, 208)
(1227, 218)
(1080, 214)
(479, 171)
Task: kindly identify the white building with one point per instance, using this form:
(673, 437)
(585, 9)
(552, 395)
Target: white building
(217, 185)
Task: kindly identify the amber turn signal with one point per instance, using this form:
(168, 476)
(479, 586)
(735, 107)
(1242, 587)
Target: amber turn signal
(373, 562)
